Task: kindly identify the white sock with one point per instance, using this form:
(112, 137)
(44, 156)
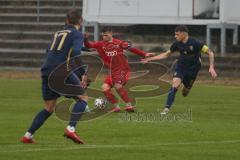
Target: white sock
(28, 135)
(71, 128)
(116, 105)
(129, 104)
(87, 109)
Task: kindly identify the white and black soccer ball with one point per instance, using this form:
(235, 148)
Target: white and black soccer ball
(100, 103)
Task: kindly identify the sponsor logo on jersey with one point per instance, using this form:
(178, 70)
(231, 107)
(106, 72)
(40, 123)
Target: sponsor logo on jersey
(111, 53)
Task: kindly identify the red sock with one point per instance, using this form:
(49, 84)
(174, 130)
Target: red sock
(124, 95)
(110, 97)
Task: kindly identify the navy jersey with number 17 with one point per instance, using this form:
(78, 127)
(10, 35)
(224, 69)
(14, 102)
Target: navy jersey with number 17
(65, 44)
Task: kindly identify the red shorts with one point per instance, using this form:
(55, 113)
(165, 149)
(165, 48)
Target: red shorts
(120, 77)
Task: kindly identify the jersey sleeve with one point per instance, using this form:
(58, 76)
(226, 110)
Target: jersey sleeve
(128, 46)
(125, 45)
(173, 47)
(89, 44)
(137, 51)
(202, 46)
(77, 44)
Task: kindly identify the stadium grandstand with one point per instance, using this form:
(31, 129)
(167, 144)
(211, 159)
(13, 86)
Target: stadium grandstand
(26, 26)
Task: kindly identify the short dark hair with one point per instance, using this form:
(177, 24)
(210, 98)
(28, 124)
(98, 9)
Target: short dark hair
(106, 29)
(74, 17)
(181, 28)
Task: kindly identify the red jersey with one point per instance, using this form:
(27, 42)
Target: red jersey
(112, 53)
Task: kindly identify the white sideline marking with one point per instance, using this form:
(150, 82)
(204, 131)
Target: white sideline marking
(62, 148)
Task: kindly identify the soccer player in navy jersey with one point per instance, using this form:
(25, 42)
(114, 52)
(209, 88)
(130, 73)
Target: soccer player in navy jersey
(66, 44)
(187, 65)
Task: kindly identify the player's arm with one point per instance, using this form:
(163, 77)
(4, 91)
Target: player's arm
(82, 74)
(137, 51)
(163, 55)
(85, 49)
(128, 46)
(210, 53)
(157, 57)
(89, 44)
(77, 45)
(140, 52)
(82, 71)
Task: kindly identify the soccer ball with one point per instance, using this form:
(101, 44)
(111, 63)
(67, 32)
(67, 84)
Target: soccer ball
(100, 103)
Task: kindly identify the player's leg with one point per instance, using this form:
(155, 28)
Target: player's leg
(187, 87)
(119, 80)
(39, 120)
(176, 82)
(76, 114)
(188, 81)
(77, 110)
(125, 97)
(42, 116)
(50, 99)
(107, 90)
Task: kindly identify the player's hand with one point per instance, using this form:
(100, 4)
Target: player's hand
(86, 35)
(145, 60)
(212, 72)
(84, 82)
(149, 54)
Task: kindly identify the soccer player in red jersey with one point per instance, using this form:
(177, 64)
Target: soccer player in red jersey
(111, 51)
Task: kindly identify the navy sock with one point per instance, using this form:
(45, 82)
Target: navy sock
(77, 111)
(171, 96)
(38, 121)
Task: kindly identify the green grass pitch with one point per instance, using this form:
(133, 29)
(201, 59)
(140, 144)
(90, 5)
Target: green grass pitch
(213, 133)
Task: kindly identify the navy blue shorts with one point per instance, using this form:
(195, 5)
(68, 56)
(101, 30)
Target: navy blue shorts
(187, 75)
(49, 94)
